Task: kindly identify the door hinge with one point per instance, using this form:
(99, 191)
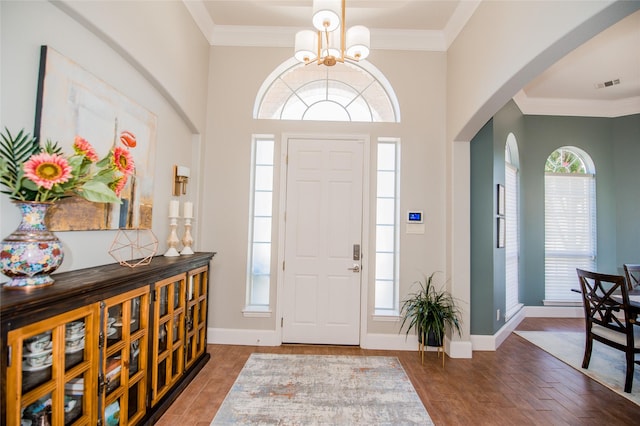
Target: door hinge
(281, 322)
(283, 265)
(9, 356)
(100, 384)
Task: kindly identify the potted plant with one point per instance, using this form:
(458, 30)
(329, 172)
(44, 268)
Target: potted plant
(429, 312)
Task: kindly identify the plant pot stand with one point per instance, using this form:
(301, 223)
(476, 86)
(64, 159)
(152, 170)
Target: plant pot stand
(422, 348)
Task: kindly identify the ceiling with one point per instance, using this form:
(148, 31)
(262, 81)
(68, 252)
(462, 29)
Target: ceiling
(578, 84)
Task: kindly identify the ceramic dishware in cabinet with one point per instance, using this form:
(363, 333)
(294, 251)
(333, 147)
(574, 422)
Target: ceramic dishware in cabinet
(124, 356)
(196, 324)
(53, 369)
(167, 348)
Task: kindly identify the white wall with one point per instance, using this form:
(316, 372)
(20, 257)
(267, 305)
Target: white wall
(236, 76)
(156, 78)
(152, 52)
(503, 46)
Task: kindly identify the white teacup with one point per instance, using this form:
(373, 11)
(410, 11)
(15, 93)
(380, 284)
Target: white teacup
(38, 359)
(74, 327)
(37, 346)
(75, 342)
(38, 343)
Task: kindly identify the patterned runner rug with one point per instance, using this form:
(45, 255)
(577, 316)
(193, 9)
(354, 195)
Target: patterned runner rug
(322, 390)
(607, 365)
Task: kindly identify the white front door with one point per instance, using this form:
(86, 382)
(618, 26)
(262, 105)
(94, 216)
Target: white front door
(321, 291)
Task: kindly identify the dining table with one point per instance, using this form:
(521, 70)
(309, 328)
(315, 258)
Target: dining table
(634, 299)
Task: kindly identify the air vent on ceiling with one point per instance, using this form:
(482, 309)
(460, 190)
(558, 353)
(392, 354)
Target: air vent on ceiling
(607, 83)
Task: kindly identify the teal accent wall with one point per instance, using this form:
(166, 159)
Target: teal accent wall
(487, 260)
(482, 231)
(614, 147)
(626, 170)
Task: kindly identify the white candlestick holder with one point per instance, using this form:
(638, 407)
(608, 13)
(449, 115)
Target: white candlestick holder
(187, 239)
(173, 240)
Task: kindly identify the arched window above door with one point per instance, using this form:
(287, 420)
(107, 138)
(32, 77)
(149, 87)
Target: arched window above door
(345, 92)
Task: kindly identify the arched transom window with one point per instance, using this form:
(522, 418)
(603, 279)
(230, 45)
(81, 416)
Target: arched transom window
(344, 92)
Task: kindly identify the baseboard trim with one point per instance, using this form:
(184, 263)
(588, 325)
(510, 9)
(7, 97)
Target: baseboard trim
(391, 342)
(554, 311)
(401, 342)
(228, 336)
(492, 342)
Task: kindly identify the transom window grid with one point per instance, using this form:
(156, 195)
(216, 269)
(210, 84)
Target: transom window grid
(260, 243)
(344, 92)
(570, 223)
(387, 230)
(563, 160)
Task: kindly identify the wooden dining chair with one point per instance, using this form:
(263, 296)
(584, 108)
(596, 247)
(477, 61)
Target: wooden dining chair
(632, 273)
(608, 318)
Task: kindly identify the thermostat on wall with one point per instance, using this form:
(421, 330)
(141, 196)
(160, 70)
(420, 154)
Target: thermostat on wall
(414, 216)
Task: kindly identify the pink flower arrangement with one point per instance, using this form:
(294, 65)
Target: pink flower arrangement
(31, 172)
(46, 170)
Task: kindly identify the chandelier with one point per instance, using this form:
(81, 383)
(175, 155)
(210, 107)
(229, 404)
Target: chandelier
(331, 43)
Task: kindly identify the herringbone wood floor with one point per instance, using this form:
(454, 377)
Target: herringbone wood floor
(519, 384)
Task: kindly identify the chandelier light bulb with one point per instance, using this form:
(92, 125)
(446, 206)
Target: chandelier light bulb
(358, 42)
(326, 14)
(331, 44)
(333, 48)
(306, 45)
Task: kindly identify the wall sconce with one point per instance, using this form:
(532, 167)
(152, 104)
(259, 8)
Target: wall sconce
(180, 180)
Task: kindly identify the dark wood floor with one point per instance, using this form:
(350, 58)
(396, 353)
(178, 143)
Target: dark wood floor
(519, 384)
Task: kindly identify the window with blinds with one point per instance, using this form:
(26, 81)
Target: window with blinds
(512, 243)
(570, 232)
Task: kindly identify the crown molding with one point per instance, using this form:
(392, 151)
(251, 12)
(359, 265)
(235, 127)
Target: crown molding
(577, 107)
(459, 19)
(383, 39)
(235, 35)
(200, 15)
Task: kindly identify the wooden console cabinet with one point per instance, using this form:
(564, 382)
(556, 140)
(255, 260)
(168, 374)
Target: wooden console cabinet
(105, 345)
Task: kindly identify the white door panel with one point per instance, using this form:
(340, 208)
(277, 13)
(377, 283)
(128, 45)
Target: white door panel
(321, 295)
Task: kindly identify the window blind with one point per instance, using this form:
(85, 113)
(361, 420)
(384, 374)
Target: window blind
(570, 233)
(512, 241)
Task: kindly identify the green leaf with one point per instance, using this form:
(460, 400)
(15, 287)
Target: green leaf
(105, 161)
(14, 151)
(75, 162)
(98, 192)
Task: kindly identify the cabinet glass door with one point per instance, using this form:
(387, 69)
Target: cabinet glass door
(196, 314)
(125, 328)
(53, 369)
(167, 359)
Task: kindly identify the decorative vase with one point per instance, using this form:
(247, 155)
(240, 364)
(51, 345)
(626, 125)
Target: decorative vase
(31, 253)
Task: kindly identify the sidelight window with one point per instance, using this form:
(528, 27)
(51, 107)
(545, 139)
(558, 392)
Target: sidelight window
(387, 238)
(260, 226)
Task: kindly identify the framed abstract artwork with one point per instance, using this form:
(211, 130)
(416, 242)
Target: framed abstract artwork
(73, 102)
(501, 232)
(501, 200)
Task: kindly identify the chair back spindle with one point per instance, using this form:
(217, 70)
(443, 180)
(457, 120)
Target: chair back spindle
(609, 318)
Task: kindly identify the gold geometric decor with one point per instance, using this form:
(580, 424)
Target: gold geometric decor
(134, 247)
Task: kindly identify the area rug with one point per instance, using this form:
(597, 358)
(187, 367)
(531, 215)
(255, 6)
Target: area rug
(607, 365)
(276, 389)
